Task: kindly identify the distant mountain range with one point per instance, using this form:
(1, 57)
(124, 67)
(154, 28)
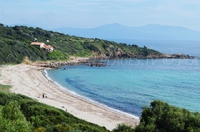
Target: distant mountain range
(148, 32)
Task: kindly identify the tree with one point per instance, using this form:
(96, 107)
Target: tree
(161, 117)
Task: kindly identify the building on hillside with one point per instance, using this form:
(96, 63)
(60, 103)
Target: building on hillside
(49, 48)
(38, 44)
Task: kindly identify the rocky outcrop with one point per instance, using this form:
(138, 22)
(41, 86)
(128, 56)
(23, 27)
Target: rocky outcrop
(92, 62)
(177, 56)
(96, 63)
(121, 54)
(89, 62)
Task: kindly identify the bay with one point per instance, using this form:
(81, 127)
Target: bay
(130, 84)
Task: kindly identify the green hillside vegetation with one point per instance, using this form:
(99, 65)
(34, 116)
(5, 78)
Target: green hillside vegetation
(15, 45)
(161, 117)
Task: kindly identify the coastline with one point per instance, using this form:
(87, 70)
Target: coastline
(32, 82)
(96, 61)
(85, 98)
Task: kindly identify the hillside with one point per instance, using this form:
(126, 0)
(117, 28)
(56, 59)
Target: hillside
(15, 46)
(19, 113)
(116, 31)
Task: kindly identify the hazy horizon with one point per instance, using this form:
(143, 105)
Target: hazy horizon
(50, 28)
(51, 14)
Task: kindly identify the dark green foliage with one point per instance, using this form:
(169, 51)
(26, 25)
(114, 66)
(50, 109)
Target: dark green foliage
(56, 55)
(123, 128)
(12, 119)
(15, 45)
(161, 117)
(29, 115)
(5, 98)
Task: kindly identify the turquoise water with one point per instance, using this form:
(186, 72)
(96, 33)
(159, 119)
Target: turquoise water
(130, 84)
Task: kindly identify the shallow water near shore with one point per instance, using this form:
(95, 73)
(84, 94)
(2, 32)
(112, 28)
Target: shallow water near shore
(130, 84)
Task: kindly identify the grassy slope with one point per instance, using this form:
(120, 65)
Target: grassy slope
(15, 45)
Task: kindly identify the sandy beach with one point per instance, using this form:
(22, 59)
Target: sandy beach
(30, 81)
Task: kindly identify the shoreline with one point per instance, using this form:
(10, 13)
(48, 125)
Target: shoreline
(87, 99)
(31, 81)
(97, 61)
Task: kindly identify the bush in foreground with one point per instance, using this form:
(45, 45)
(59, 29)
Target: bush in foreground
(161, 117)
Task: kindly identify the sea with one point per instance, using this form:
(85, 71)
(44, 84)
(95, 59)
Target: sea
(129, 85)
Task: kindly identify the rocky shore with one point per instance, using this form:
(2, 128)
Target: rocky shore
(63, 63)
(177, 56)
(161, 56)
(95, 61)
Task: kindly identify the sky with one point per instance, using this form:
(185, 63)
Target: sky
(52, 14)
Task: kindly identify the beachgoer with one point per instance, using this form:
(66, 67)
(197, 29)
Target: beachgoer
(44, 95)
